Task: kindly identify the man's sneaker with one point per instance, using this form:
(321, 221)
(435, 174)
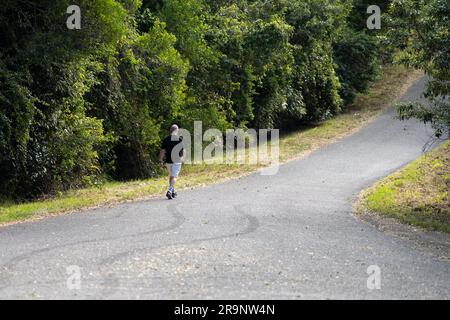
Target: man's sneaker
(174, 194)
(169, 195)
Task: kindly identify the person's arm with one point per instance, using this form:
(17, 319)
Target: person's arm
(162, 155)
(183, 151)
(163, 151)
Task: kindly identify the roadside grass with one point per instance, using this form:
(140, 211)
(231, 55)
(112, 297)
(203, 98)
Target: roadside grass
(381, 94)
(417, 194)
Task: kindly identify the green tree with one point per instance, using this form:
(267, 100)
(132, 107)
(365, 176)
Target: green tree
(48, 141)
(142, 90)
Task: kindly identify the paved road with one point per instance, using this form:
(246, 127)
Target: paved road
(287, 236)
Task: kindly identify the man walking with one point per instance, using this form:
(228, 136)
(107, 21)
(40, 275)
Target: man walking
(172, 150)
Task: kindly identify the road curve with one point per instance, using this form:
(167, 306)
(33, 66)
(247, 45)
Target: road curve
(288, 236)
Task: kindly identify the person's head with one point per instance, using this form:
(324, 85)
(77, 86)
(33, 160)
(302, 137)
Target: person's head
(174, 130)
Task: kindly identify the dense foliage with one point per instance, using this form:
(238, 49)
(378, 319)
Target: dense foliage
(77, 106)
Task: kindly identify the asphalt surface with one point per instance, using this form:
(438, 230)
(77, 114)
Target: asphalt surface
(288, 236)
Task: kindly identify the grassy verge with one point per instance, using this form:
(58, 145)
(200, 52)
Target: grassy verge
(381, 94)
(418, 194)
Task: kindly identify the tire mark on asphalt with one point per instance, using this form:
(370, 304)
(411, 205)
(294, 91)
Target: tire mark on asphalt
(112, 282)
(179, 219)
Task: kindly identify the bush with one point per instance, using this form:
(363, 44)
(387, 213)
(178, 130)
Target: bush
(356, 55)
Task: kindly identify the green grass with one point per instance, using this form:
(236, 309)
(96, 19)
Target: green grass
(292, 145)
(418, 194)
